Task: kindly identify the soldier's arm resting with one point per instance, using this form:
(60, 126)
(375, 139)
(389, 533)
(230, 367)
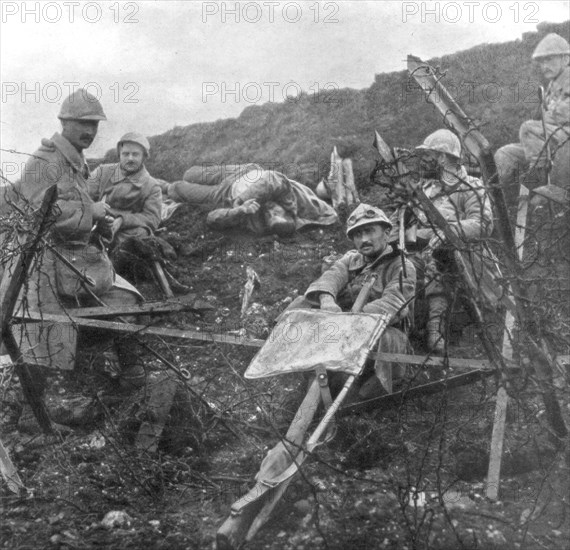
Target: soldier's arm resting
(149, 217)
(331, 282)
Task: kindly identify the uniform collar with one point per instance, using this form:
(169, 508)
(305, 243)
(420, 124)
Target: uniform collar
(359, 260)
(137, 179)
(72, 155)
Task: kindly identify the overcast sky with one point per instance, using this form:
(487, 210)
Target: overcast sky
(160, 64)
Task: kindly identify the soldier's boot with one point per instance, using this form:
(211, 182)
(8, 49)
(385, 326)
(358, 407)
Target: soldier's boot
(28, 423)
(550, 192)
(536, 177)
(437, 316)
(132, 374)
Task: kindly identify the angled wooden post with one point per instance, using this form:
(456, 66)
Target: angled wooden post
(479, 147)
(8, 304)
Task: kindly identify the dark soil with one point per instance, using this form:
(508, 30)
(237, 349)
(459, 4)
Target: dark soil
(411, 477)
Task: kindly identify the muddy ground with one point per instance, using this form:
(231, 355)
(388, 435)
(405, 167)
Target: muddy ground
(409, 477)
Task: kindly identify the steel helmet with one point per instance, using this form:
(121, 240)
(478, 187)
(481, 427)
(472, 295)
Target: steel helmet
(551, 44)
(366, 214)
(322, 190)
(134, 137)
(81, 105)
(443, 141)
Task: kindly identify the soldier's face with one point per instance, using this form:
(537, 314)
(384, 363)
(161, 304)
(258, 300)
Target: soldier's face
(370, 240)
(80, 133)
(132, 157)
(428, 164)
(552, 65)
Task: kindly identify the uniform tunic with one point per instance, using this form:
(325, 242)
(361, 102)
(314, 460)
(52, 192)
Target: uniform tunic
(137, 198)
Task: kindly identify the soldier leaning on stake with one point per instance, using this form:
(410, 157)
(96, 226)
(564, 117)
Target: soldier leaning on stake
(465, 205)
(553, 55)
(52, 286)
(133, 196)
(337, 289)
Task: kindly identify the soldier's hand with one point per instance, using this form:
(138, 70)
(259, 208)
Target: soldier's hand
(105, 227)
(328, 303)
(99, 210)
(115, 224)
(250, 206)
(436, 242)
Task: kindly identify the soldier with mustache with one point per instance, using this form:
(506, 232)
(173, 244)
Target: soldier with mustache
(74, 235)
(392, 292)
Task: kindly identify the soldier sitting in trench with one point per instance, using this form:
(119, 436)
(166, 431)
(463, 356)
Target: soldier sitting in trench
(464, 203)
(392, 293)
(552, 55)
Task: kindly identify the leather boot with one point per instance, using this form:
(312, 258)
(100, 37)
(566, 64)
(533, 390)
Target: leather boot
(536, 177)
(132, 373)
(437, 314)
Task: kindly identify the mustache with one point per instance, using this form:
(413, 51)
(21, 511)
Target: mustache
(87, 136)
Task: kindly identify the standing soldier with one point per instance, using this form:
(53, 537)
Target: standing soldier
(552, 54)
(53, 286)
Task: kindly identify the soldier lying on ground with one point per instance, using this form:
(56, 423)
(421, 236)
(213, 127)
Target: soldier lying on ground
(464, 203)
(52, 286)
(336, 290)
(249, 197)
(553, 55)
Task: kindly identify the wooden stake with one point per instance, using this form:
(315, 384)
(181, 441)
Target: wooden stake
(336, 181)
(502, 399)
(480, 148)
(350, 188)
(8, 303)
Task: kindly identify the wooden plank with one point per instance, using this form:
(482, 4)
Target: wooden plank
(141, 309)
(398, 398)
(142, 330)
(224, 338)
(431, 361)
